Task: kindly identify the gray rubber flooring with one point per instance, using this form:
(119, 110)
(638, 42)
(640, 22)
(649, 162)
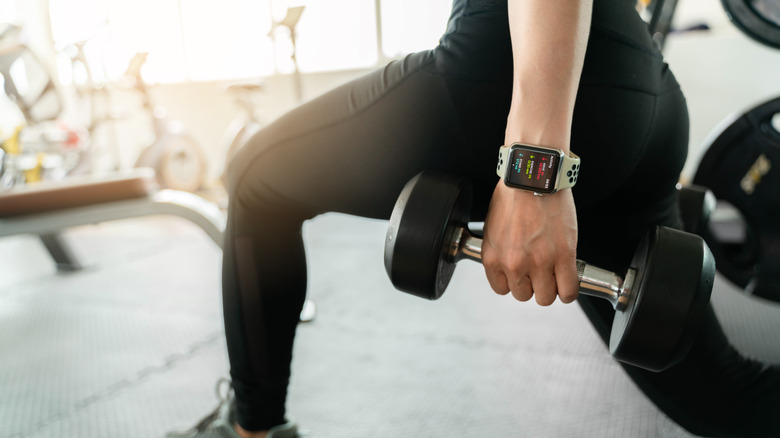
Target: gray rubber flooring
(132, 346)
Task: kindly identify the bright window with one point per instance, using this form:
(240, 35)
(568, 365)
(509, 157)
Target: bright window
(337, 34)
(412, 25)
(229, 39)
(8, 13)
(226, 38)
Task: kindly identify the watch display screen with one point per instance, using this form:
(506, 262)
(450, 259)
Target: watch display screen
(533, 169)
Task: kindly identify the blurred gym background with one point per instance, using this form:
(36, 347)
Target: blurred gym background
(196, 51)
(130, 344)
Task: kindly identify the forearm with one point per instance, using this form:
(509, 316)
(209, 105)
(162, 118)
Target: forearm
(549, 38)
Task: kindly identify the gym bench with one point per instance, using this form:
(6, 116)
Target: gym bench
(47, 209)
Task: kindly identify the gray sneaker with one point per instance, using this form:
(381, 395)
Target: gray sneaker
(219, 424)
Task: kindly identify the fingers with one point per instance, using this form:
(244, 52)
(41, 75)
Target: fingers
(567, 281)
(539, 284)
(545, 288)
(530, 245)
(521, 289)
(527, 279)
(497, 279)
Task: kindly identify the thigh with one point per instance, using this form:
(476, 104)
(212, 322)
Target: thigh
(352, 149)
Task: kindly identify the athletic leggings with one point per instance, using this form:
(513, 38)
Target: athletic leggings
(352, 150)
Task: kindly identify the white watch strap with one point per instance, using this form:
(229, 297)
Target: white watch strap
(503, 158)
(570, 170)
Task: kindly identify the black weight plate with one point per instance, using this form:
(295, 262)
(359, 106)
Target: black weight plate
(675, 272)
(758, 19)
(425, 215)
(742, 167)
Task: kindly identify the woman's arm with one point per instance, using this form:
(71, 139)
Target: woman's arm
(530, 241)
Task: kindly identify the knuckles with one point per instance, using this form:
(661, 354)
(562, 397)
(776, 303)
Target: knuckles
(521, 293)
(568, 296)
(545, 300)
(512, 271)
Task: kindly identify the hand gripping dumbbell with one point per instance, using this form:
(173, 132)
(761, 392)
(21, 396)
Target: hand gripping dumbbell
(659, 301)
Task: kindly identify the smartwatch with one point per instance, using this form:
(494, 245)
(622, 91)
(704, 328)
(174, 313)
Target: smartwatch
(537, 169)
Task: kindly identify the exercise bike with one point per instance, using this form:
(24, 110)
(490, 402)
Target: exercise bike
(175, 156)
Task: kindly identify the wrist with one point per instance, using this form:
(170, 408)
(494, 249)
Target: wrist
(543, 140)
(553, 131)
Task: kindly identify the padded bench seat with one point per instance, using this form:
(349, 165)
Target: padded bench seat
(76, 192)
(48, 208)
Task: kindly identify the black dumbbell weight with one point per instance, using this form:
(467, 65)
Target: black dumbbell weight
(659, 301)
(696, 206)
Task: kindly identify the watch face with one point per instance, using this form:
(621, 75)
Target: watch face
(533, 169)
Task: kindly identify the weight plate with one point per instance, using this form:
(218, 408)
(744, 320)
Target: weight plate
(674, 276)
(741, 168)
(758, 19)
(424, 217)
(182, 165)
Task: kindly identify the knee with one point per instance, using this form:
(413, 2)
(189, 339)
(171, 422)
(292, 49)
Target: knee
(233, 178)
(259, 194)
(247, 179)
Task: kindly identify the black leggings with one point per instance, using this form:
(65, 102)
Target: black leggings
(353, 149)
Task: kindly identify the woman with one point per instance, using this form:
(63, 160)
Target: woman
(562, 74)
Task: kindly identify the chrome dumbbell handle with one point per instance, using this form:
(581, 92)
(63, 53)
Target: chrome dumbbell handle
(595, 282)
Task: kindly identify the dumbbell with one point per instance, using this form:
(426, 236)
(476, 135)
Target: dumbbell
(659, 301)
(696, 206)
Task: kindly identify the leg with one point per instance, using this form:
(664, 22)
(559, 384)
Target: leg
(345, 152)
(351, 150)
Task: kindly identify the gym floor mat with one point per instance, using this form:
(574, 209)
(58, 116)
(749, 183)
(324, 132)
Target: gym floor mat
(132, 346)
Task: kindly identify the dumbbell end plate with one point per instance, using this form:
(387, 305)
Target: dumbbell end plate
(428, 210)
(675, 272)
